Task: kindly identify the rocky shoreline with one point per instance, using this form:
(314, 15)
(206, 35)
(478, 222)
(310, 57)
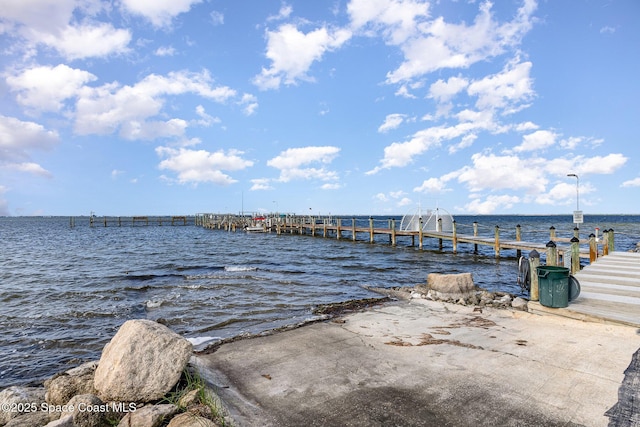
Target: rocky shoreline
(144, 377)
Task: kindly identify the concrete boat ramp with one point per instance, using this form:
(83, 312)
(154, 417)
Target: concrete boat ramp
(610, 292)
(429, 363)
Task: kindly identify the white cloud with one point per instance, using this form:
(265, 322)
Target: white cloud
(433, 185)
(491, 204)
(165, 51)
(159, 12)
(45, 88)
(291, 161)
(217, 18)
(86, 41)
(249, 103)
(397, 19)
(261, 184)
(443, 91)
(284, 12)
(40, 15)
(538, 140)
(392, 121)
(18, 139)
(196, 166)
(292, 53)
(600, 164)
(443, 45)
(491, 172)
(112, 107)
(507, 90)
(632, 183)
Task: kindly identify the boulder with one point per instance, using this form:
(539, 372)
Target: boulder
(88, 411)
(19, 400)
(66, 421)
(62, 387)
(30, 419)
(450, 286)
(141, 363)
(149, 416)
(190, 420)
(520, 304)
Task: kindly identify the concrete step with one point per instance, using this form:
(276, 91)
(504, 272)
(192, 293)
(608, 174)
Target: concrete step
(607, 288)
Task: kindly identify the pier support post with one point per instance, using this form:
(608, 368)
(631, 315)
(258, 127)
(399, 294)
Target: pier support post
(393, 232)
(454, 237)
(496, 242)
(534, 263)
(353, 229)
(575, 255)
(420, 235)
(370, 229)
(605, 242)
(439, 229)
(324, 228)
(339, 229)
(612, 246)
(313, 227)
(552, 253)
(518, 239)
(593, 248)
(475, 234)
(576, 232)
(552, 233)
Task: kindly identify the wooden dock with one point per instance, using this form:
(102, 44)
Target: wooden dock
(556, 250)
(131, 221)
(610, 292)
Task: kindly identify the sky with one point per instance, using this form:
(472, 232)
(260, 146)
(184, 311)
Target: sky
(368, 107)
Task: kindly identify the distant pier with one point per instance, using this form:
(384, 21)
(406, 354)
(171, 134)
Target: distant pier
(132, 221)
(557, 249)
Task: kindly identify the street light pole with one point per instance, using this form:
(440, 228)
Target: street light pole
(577, 192)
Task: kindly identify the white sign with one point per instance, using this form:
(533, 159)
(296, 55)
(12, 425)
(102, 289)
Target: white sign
(578, 217)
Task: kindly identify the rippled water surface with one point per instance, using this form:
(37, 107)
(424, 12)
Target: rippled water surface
(65, 291)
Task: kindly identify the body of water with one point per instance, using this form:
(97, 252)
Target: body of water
(64, 291)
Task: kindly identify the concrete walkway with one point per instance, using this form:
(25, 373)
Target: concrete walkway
(425, 363)
(610, 291)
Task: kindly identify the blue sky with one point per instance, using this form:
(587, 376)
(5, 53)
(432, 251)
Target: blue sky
(346, 107)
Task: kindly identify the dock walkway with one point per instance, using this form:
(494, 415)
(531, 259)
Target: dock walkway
(610, 292)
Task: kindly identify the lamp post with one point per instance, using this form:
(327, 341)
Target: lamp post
(577, 214)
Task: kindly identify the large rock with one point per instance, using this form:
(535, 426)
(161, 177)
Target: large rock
(89, 411)
(141, 363)
(19, 400)
(63, 387)
(451, 286)
(149, 416)
(190, 420)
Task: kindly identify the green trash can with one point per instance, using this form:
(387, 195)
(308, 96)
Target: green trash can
(553, 286)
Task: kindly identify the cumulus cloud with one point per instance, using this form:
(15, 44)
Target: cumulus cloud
(86, 41)
(292, 52)
(127, 109)
(538, 140)
(45, 88)
(491, 204)
(50, 23)
(293, 163)
(392, 121)
(18, 139)
(442, 45)
(433, 186)
(198, 166)
(159, 12)
(632, 183)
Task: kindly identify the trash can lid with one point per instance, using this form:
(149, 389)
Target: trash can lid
(574, 287)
